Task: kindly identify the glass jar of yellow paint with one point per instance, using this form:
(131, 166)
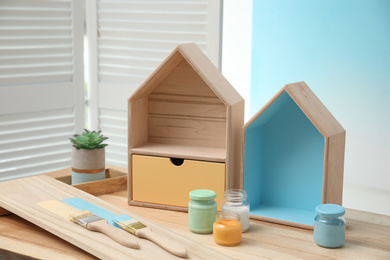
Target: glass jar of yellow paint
(227, 229)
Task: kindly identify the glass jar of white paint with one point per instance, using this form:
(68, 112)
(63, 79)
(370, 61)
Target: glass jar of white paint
(329, 226)
(236, 201)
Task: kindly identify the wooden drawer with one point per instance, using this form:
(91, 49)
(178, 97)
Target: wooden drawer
(158, 180)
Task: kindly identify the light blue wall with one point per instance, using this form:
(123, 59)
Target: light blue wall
(341, 49)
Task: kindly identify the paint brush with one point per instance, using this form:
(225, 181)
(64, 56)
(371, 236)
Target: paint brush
(140, 230)
(89, 221)
(95, 223)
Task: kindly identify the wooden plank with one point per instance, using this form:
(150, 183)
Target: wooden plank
(184, 98)
(210, 74)
(158, 75)
(333, 169)
(116, 180)
(183, 80)
(264, 108)
(205, 132)
(22, 238)
(367, 237)
(138, 125)
(4, 212)
(186, 108)
(234, 149)
(314, 109)
(21, 197)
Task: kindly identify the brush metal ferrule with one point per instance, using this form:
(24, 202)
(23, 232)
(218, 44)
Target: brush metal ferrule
(134, 226)
(85, 221)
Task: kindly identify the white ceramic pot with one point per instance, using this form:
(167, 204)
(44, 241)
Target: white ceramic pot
(88, 165)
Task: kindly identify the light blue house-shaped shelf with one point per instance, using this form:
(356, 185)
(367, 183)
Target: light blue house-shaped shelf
(294, 158)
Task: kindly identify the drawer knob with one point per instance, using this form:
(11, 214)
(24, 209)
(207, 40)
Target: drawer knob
(177, 161)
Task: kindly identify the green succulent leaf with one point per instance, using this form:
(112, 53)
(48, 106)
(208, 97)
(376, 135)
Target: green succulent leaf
(88, 140)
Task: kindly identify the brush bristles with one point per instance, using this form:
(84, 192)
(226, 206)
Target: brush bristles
(130, 225)
(79, 215)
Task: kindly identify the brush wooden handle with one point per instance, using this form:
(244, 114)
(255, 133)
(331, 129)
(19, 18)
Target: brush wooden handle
(163, 242)
(116, 234)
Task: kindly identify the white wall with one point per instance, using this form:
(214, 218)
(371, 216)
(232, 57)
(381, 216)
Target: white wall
(237, 47)
(339, 49)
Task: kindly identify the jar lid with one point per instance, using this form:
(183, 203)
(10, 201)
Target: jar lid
(203, 194)
(330, 210)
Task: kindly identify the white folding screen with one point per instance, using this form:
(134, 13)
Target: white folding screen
(127, 41)
(41, 84)
(42, 79)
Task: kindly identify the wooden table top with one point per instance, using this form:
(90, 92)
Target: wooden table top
(367, 237)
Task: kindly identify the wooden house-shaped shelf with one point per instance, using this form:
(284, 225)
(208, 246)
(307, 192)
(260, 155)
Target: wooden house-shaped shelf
(294, 158)
(185, 124)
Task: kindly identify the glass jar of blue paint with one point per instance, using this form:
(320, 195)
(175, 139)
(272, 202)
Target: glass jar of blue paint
(329, 226)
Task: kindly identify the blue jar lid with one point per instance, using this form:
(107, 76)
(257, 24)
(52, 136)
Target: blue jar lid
(203, 194)
(330, 210)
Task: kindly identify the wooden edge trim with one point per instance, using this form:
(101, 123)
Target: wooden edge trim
(265, 107)
(334, 169)
(283, 222)
(242, 165)
(325, 177)
(157, 206)
(88, 171)
(313, 108)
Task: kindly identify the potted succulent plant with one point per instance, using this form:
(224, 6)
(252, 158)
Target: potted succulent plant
(88, 156)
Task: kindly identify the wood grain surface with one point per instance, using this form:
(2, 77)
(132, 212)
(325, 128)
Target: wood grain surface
(367, 237)
(22, 195)
(186, 109)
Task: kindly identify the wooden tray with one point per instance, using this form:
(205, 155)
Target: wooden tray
(116, 180)
(22, 195)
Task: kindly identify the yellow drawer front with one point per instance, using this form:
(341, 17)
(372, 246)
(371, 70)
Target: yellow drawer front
(157, 180)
